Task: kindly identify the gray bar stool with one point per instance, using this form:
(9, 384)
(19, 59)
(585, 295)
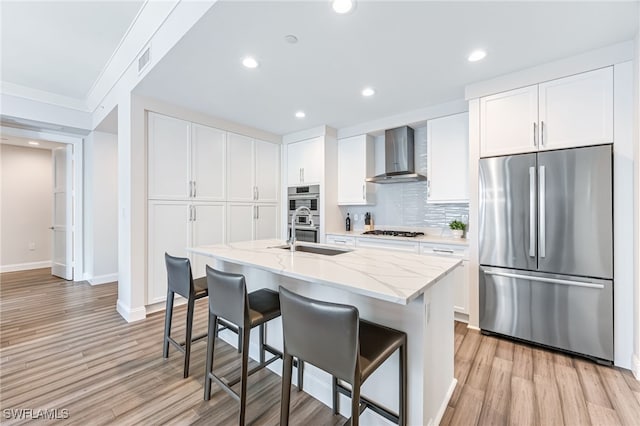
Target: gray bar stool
(228, 299)
(180, 281)
(333, 338)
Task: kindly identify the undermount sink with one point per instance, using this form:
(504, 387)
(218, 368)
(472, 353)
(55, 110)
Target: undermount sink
(325, 251)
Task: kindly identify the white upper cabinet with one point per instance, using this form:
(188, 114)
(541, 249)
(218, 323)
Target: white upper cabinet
(448, 159)
(304, 162)
(509, 121)
(168, 160)
(267, 171)
(355, 164)
(186, 160)
(564, 113)
(253, 169)
(240, 168)
(208, 152)
(577, 110)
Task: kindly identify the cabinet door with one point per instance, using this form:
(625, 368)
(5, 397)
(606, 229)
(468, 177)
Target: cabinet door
(208, 162)
(448, 157)
(207, 227)
(168, 232)
(461, 290)
(240, 168)
(577, 110)
(267, 171)
(341, 240)
(240, 222)
(168, 158)
(355, 164)
(407, 246)
(508, 122)
(266, 221)
(304, 162)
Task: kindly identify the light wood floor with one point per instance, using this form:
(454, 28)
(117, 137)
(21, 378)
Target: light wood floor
(62, 345)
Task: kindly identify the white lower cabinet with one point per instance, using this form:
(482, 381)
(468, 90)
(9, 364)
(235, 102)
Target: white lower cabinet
(174, 226)
(461, 290)
(341, 240)
(250, 221)
(388, 244)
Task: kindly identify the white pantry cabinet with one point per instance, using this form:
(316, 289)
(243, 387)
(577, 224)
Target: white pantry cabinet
(172, 227)
(249, 221)
(567, 112)
(448, 159)
(305, 162)
(355, 164)
(253, 169)
(186, 160)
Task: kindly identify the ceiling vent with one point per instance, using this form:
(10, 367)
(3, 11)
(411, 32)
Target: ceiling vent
(144, 59)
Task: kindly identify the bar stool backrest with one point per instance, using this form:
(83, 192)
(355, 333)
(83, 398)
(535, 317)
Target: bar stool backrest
(179, 278)
(228, 296)
(322, 333)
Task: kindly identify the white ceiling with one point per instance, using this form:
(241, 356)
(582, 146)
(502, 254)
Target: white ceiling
(61, 47)
(43, 144)
(412, 53)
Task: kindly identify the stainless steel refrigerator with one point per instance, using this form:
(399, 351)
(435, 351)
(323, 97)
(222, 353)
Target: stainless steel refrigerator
(546, 248)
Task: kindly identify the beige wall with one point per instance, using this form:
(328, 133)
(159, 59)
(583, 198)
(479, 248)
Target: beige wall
(26, 203)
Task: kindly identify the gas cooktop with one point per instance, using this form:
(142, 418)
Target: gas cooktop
(394, 233)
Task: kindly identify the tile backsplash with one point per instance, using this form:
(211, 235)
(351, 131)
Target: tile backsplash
(405, 204)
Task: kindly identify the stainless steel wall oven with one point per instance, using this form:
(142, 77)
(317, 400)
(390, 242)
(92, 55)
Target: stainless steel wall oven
(307, 227)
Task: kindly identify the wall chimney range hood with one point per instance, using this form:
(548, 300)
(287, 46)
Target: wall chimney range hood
(399, 157)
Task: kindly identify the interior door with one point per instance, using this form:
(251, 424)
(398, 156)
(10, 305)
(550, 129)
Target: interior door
(507, 216)
(62, 226)
(576, 212)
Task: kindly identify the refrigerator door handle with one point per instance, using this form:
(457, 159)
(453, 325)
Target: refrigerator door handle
(545, 280)
(542, 214)
(532, 211)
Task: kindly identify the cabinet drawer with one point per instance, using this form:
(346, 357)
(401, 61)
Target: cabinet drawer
(340, 240)
(451, 250)
(406, 246)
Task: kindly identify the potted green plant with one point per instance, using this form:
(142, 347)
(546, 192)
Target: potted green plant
(457, 228)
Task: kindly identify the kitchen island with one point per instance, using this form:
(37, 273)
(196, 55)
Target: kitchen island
(412, 293)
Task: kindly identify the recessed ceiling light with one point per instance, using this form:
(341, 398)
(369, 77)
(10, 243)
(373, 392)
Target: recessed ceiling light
(368, 91)
(477, 55)
(342, 6)
(34, 143)
(300, 114)
(249, 62)
(290, 38)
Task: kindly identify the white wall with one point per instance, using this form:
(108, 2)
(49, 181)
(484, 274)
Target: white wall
(25, 207)
(636, 208)
(101, 207)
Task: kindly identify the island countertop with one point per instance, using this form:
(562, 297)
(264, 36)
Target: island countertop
(390, 276)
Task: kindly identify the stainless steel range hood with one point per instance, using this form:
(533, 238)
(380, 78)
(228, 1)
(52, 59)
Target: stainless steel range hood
(399, 158)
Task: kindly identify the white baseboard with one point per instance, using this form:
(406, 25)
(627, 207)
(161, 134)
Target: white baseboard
(103, 279)
(445, 402)
(635, 366)
(131, 315)
(473, 327)
(459, 316)
(25, 266)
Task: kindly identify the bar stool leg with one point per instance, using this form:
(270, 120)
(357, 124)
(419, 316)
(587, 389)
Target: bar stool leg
(240, 340)
(262, 343)
(187, 343)
(285, 398)
(300, 374)
(334, 393)
(168, 313)
(402, 411)
(243, 382)
(212, 333)
(355, 401)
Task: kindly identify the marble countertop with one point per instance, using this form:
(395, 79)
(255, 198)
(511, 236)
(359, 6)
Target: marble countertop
(423, 238)
(390, 276)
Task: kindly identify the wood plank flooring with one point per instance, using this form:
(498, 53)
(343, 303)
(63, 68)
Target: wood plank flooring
(501, 382)
(63, 346)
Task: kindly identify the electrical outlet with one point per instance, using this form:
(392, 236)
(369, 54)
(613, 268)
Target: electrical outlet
(32, 245)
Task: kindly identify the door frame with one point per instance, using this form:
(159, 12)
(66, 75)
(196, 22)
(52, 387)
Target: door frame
(75, 141)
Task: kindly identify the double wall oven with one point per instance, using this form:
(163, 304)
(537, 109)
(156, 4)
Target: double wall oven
(307, 226)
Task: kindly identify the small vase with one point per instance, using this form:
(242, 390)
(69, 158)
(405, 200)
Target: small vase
(457, 233)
